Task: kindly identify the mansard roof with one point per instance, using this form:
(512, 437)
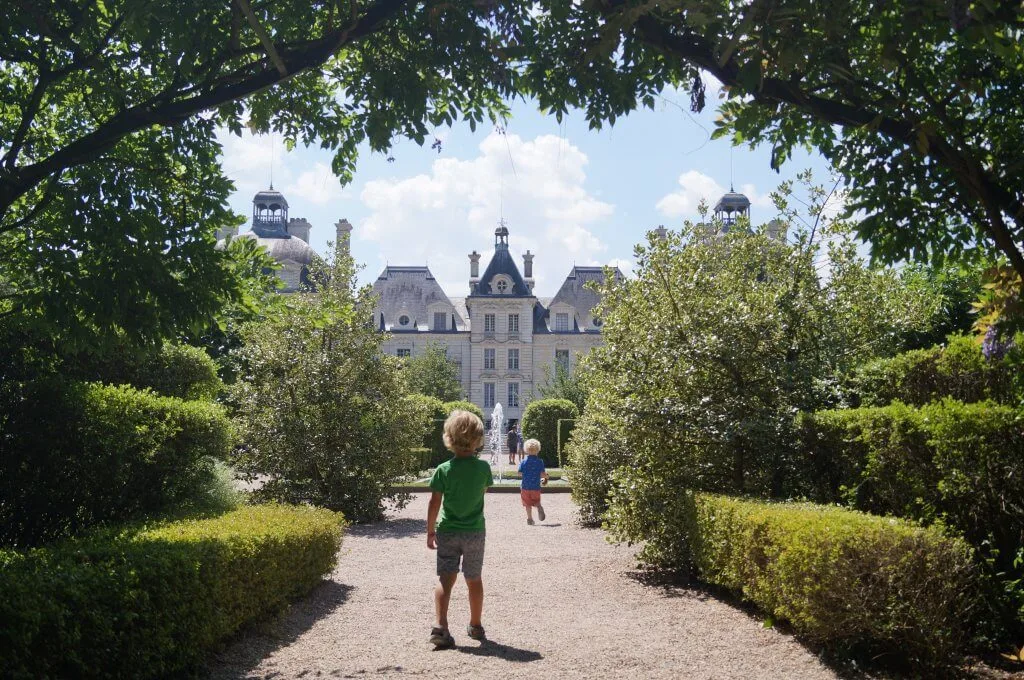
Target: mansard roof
(502, 263)
(410, 291)
(574, 291)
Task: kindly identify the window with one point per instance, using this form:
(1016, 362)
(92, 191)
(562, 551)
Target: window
(489, 323)
(561, 321)
(562, 359)
(513, 395)
(488, 359)
(403, 320)
(513, 360)
(404, 353)
(440, 322)
(488, 395)
(597, 322)
(513, 323)
(501, 285)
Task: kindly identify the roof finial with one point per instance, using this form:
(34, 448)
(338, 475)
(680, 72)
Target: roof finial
(271, 161)
(731, 187)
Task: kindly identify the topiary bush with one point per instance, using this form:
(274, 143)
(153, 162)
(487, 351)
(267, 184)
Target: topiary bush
(180, 371)
(841, 578)
(540, 422)
(73, 455)
(150, 602)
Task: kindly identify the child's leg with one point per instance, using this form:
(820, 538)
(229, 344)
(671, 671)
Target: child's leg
(472, 569)
(476, 600)
(442, 596)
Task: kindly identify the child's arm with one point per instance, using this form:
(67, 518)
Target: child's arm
(432, 509)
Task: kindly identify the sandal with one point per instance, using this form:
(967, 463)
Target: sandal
(476, 632)
(441, 638)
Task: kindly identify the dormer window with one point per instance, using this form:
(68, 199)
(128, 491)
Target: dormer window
(403, 320)
(501, 285)
(561, 322)
(598, 322)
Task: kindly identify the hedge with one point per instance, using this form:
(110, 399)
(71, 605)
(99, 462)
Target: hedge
(593, 453)
(180, 371)
(73, 455)
(433, 452)
(958, 370)
(146, 603)
(961, 464)
(841, 578)
(540, 422)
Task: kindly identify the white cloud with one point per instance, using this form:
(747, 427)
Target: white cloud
(317, 185)
(538, 186)
(249, 160)
(694, 186)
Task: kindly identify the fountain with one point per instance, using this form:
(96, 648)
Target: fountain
(497, 418)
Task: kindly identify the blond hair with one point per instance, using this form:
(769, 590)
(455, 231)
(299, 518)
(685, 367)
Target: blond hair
(531, 447)
(463, 432)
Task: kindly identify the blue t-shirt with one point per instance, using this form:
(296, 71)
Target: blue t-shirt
(531, 469)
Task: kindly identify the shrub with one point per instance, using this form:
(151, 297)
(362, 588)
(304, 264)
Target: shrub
(323, 412)
(150, 602)
(592, 455)
(540, 422)
(180, 371)
(949, 461)
(433, 451)
(958, 370)
(73, 455)
(841, 578)
(450, 406)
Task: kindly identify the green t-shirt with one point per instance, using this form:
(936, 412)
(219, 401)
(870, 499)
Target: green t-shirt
(463, 481)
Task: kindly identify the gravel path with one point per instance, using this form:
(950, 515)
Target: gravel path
(560, 603)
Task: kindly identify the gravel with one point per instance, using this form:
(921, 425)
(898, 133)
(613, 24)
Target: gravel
(560, 602)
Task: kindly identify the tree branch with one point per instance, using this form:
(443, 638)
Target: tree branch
(979, 184)
(19, 182)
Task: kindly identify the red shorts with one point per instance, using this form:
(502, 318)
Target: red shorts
(530, 498)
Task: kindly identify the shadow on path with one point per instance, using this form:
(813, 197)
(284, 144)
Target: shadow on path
(402, 527)
(496, 649)
(253, 644)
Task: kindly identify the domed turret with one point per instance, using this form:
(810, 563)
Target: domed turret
(270, 230)
(730, 207)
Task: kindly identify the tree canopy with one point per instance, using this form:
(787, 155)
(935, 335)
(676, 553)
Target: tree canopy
(915, 102)
(111, 188)
(432, 373)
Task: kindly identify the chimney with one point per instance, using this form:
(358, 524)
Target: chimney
(343, 242)
(528, 269)
(474, 271)
(299, 228)
(661, 232)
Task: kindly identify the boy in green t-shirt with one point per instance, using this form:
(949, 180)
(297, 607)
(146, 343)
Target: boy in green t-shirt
(458, 487)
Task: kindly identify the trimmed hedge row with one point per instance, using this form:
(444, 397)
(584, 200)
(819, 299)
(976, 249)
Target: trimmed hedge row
(841, 578)
(963, 463)
(540, 422)
(958, 370)
(151, 602)
(74, 454)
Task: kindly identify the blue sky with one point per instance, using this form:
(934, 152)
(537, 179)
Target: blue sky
(567, 193)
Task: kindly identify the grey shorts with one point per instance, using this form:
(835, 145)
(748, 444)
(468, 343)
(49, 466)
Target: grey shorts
(469, 547)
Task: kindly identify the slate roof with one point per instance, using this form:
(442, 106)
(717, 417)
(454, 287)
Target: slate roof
(284, 249)
(410, 290)
(574, 291)
(502, 263)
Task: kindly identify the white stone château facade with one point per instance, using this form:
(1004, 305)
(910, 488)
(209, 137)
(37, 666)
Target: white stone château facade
(505, 339)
